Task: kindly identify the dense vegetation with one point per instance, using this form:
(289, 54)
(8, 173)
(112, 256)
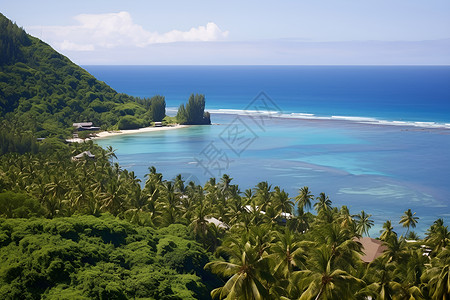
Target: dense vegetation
(260, 253)
(99, 256)
(43, 92)
(194, 112)
(85, 228)
(86, 257)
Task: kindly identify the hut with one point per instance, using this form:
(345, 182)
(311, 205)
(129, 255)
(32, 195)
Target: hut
(85, 126)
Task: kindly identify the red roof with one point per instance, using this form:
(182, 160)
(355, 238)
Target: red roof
(372, 248)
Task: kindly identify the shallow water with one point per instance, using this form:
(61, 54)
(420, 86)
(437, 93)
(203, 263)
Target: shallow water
(379, 168)
(372, 138)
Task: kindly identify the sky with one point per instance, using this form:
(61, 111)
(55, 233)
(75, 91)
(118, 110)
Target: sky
(301, 32)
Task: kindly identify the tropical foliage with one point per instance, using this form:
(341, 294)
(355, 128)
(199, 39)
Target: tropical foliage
(194, 112)
(87, 257)
(87, 228)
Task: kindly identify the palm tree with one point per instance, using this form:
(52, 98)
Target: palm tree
(300, 222)
(38, 189)
(260, 237)
(438, 236)
(80, 194)
(114, 196)
(396, 249)
(255, 212)
(263, 194)
(325, 214)
(171, 204)
(437, 276)
(408, 274)
(138, 212)
(225, 184)
(179, 184)
(210, 184)
(189, 201)
(363, 223)
(287, 253)
(388, 231)
(56, 189)
(245, 273)
(381, 283)
(199, 224)
(323, 280)
(110, 152)
(94, 203)
(304, 198)
(248, 195)
(214, 237)
(344, 249)
(236, 207)
(345, 218)
(153, 176)
(282, 201)
(412, 236)
(323, 203)
(409, 220)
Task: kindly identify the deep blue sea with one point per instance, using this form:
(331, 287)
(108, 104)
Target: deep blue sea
(375, 138)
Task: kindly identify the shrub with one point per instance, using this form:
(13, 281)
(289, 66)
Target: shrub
(128, 122)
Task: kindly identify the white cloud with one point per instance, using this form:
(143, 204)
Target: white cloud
(210, 32)
(118, 29)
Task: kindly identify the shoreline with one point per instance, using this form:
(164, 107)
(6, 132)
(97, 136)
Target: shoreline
(107, 134)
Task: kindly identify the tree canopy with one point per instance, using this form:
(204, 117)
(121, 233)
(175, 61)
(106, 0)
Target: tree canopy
(88, 229)
(84, 228)
(98, 258)
(194, 112)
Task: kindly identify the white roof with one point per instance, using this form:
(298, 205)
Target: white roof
(217, 222)
(82, 124)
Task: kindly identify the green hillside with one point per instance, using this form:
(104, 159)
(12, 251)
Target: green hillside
(44, 92)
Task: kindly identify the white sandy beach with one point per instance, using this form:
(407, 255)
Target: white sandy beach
(106, 134)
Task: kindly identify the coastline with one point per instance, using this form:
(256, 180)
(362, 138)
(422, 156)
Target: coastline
(107, 134)
(384, 168)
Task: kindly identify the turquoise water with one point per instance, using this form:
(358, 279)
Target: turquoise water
(379, 165)
(381, 169)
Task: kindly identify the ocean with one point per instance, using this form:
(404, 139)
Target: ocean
(374, 138)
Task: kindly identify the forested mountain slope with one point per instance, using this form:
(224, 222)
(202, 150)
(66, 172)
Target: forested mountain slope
(44, 92)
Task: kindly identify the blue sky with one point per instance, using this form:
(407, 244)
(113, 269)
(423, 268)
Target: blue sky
(305, 32)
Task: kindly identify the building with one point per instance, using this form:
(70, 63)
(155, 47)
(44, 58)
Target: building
(85, 126)
(372, 248)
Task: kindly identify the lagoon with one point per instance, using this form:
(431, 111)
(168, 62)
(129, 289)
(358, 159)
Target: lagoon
(374, 156)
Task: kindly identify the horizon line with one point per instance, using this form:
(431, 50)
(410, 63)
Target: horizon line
(270, 65)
